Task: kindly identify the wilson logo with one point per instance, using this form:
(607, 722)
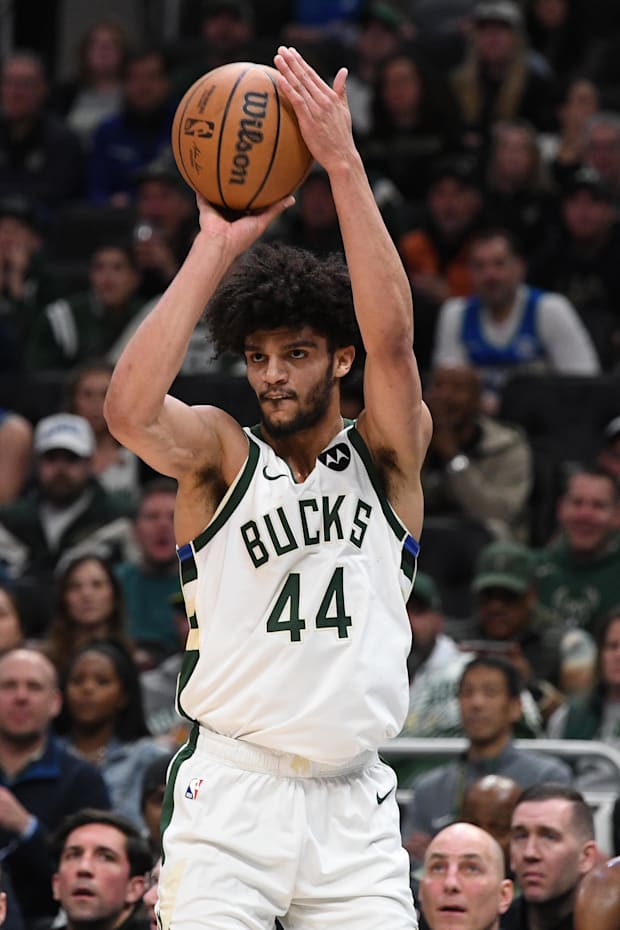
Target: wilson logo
(249, 134)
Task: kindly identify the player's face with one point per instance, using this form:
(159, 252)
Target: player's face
(293, 374)
(545, 853)
(93, 883)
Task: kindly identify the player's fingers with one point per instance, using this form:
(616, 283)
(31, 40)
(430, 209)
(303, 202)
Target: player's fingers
(299, 73)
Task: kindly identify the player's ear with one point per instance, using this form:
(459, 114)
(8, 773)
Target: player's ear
(343, 360)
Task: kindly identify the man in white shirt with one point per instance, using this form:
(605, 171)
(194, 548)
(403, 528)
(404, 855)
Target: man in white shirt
(507, 326)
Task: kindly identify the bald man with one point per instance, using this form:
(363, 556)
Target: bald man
(40, 781)
(488, 803)
(597, 903)
(463, 880)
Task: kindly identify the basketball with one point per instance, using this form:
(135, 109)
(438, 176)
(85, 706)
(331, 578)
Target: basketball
(236, 139)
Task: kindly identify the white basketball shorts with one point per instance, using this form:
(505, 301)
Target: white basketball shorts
(249, 835)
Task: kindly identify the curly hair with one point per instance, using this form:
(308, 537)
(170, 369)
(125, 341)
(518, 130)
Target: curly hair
(276, 285)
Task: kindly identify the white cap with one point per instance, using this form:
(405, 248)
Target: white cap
(64, 431)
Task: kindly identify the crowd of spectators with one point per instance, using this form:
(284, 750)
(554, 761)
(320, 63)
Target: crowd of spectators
(490, 131)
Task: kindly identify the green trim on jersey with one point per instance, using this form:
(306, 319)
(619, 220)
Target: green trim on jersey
(234, 500)
(184, 753)
(362, 450)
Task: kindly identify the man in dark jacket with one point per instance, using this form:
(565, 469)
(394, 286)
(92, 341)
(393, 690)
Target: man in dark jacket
(67, 507)
(101, 872)
(40, 781)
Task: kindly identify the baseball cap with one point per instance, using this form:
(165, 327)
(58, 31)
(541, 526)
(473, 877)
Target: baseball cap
(504, 565)
(64, 431)
(497, 11)
(380, 13)
(462, 167)
(588, 179)
(426, 591)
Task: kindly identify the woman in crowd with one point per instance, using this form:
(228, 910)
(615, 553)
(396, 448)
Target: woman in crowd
(103, 721)
(518, 191)
(596, 714)
(95, 91)
(414, 119)
(88, 606)
(115, 466)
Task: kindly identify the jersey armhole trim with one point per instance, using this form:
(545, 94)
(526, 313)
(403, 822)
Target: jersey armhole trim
(238, 491)
(400, 531)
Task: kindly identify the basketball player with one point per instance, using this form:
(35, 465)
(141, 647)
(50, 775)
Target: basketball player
(297, 547)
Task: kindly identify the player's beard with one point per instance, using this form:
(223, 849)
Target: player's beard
(309, 412)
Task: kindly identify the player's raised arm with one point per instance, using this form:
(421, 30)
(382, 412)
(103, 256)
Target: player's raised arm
(395, 422)
(171, 436)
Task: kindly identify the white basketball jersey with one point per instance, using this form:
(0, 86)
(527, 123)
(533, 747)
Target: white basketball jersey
(295, 595)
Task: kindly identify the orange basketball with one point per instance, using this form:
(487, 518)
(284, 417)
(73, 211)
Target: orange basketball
(236, 139)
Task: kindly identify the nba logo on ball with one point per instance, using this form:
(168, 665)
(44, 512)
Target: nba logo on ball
(236, 139)
(193, 788)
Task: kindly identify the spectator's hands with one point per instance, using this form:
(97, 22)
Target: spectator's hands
(13, 816)
(155, 253)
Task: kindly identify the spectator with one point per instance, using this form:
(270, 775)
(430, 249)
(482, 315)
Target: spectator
(464, 878)
(227, 33)
(152, 799)
(382, 31)
(66, 507)
(602, 149)
(26, 280)
(89, 605)
(74, 329)
(414, 119)
(608, 457)
(557, 31)
(102, 720)
(16, 458)
(509, 614)
(519, 194)
(159, 684)
(579, 260)
(126, 143)
(149, 898)
(10, 914)
(101, 852)
(551, 848)
(476, 466)
(564, 150)
(165, 225)
(313, 224)
(41, 781)
(508, 326)
(11, 630)
(577, 574)
(499, 79)
(597, 902)
(149, 583)
(435, 251)
(94, 92)
(596, 714)
(490, 705)
(488, 803)
(40, 158)
(116, 467)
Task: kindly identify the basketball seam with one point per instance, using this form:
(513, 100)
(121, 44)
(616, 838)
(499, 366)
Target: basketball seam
(275, 143)
(219, 141)
(179, 147)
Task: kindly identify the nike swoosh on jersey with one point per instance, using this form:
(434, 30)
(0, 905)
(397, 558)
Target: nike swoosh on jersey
(271, 477)
(381, 799)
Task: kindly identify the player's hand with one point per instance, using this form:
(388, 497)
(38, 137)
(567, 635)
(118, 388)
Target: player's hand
(322, 111)
(238, 232)
(13, 815)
